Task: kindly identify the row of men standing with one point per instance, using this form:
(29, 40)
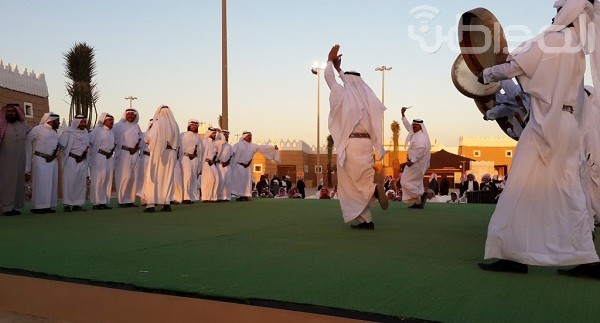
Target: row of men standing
(159, 165)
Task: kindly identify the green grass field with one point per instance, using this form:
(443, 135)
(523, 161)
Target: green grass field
(416, 263)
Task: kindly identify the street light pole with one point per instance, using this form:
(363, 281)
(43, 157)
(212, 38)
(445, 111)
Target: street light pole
(316, 69)
(383, 69)
(131, 98)
(224, 73)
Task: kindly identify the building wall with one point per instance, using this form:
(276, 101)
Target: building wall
(40, 105)
(501, 156)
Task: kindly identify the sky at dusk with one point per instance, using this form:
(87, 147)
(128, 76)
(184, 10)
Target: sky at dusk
(169, 52)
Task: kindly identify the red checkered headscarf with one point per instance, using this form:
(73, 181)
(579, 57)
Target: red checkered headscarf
(3, 121)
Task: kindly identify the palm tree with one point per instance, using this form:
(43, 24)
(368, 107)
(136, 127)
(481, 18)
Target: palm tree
(220, 121)
(395, 139)
(80, 66)
(329, 158)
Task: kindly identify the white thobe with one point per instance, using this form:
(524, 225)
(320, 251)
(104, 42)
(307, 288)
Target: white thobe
(12, 166)
(177, 182)
(547, 225)
(158, 180)
(143, 164)
(225, 157)
(190, 153)
(43, 139)
(241, 177)
(354, 113)
(210, 174)
(127, 135)
(74, 174)
(419, 154)
(589, 122)
(101, 167)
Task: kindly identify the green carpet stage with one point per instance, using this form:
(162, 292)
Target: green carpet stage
(417, 263)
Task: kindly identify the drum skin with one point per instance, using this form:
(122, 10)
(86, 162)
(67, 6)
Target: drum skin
(466, 82)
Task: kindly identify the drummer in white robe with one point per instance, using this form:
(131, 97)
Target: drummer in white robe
(162, 140)
(102, 162)
(243, 153)
(224, 157)
(355, 125)
(210, 174)
(42, 149)
(189, 153)
(127, 138)
(548, 225)
(75, 142)
(419, 156)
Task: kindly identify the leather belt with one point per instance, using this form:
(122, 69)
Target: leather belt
(567, 108)
(129, 149)
(147, 153)
(76, 156)
(359, 135)
(49, 158)
(108, 154)
(169, 146)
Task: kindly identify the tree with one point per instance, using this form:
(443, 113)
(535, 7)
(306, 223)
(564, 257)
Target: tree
(220, 121)
(329, 158)
(80, 69)
(395, 139)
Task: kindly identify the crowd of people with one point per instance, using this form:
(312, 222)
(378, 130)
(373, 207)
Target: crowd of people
(161, 165)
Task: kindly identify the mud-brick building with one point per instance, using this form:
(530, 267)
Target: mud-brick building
(25, 88)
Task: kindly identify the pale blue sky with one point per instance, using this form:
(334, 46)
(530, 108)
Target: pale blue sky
(169, 52)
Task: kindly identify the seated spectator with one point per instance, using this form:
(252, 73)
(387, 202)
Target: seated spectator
(468, 185)
(281, 194)
(294, 194)
(431, 197)
(391, 195)
(487, 184)
(324, 194)
(333, 193)
(262, 184)
(453, 198)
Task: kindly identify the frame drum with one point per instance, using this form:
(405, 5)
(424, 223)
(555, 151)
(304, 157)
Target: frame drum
(482, 40)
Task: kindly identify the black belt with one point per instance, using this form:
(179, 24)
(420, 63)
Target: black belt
(169, 146)
(147, 153)
(359, 135)
(49, 158)
(108, 154)
(129, 149)
(77, 157)
(567, 108)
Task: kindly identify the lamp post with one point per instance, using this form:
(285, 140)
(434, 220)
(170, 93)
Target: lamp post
(316, 70)
(131, 98)
(224, 68)
(383, 69)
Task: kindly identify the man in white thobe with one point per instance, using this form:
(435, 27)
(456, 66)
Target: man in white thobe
(419, 156)
(162, 141)
(42, 149)
(75, 142)
(243, 153)
(189, 153)
(590, 118)
(548, 225)
(355, 125)
(13, 137)
(127, 138)
(210, 174)
(143, 163)
(102, 162)
(224, 157)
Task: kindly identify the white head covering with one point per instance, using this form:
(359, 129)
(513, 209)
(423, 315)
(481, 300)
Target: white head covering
(49, 116)
(164, 129)
(193, 121)
(103, 116)
(359, 102)
(246, 134)
(423, 129)
(75, 122)
(137, 115)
